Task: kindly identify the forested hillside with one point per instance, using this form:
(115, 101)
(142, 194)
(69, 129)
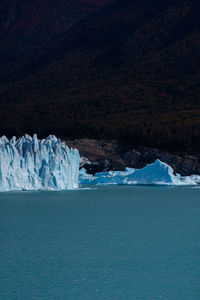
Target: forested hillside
(26, 24)
(130, 71)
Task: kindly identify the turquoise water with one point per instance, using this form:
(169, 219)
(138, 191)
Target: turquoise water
(138, 243)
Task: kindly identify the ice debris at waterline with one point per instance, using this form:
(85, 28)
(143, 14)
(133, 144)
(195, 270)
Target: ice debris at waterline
(157, 173)
(28, 163)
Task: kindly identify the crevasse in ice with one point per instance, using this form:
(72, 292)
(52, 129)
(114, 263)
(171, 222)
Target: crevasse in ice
(28, 163)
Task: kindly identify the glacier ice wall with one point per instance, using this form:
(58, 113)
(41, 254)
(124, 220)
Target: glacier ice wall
(28, 163)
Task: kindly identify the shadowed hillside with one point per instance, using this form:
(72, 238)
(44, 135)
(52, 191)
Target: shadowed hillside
(25, 24)
(130, 71)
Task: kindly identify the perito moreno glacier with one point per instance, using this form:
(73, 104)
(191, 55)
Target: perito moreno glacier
(28, 163)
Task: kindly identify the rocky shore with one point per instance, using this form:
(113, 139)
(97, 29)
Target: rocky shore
(114, 155)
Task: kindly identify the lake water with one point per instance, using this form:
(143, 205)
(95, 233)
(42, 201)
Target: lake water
(138, 243)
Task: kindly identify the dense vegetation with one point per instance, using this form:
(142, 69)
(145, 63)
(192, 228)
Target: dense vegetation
(130, 72)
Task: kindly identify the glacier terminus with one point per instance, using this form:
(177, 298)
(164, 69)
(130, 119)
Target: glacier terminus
(28, 163)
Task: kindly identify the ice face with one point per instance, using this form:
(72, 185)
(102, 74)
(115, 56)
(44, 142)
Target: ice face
(157, 173)
(28, 163)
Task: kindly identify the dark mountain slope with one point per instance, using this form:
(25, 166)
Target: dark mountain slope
(28, 22)
(25, 24)
(131, 71)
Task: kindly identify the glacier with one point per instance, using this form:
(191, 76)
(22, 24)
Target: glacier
(28, 163)
(157, 173)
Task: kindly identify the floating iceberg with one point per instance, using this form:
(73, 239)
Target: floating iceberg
(157, 173)
(28, 163)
